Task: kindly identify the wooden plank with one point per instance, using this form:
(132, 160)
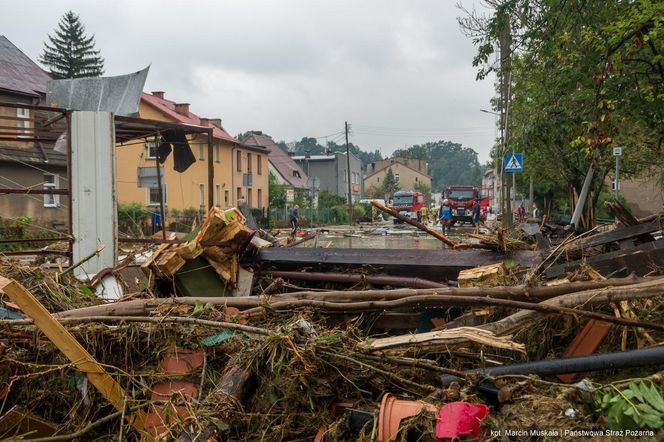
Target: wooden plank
(68, 345)
(586, 343)
(436, 265)
(616, 235)
(641, 260)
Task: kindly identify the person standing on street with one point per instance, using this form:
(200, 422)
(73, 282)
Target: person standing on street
(446, 216)
(294, 217)
(156, 221)
(535, 211)
(477, 212)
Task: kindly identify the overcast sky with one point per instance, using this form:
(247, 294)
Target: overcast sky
(399, 72)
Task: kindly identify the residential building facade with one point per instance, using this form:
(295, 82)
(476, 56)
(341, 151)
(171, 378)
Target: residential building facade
(240, 171)
(286, 171)
(26, 164)
(489, 187)
(332, 173)
(644, 194)
(409, 173)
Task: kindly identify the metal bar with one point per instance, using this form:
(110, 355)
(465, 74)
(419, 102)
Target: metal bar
(25, 139)
(33, 107)
(162, 215)
(35, 191)
(70, 209)
(578, 210)
(35, 252)
(24, 240)
(210, 169)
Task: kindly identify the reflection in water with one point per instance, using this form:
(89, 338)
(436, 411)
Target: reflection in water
(386, 242)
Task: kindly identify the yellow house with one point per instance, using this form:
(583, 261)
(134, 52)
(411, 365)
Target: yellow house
(408, 172)
(240, 172)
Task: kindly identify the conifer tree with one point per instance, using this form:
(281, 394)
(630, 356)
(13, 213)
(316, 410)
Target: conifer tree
(70, 53)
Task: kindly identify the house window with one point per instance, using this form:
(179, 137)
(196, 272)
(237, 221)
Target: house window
(259, 197)
(51, 182)
(201, 194)
(217, 195)
(201, 151)
(378, 179)
(248, 162)
(150, 150)
(396, 177)
(22, 124)
(249, 197)
(226, 198)
(238, 160)
(153, 195)
(415, 179)
(239, 194)
(259, 164)
(217, 153)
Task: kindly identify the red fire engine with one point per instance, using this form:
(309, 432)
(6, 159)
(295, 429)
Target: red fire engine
(408, 203)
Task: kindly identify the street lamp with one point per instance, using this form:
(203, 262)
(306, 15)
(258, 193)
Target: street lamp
(499, 161)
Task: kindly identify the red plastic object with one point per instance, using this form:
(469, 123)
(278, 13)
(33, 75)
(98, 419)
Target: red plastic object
(163, 391)
(392, 412)
(182, 361)
(460, 419)
(586, 343)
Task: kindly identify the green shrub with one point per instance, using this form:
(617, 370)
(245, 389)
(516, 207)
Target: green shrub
(132, 217)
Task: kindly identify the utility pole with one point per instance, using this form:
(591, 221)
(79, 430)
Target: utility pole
(505, 42)
(350, 196)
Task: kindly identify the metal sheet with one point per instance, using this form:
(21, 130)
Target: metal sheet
(120, 95)
(94, 215)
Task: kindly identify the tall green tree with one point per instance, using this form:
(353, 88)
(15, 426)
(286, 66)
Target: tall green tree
(69, 53)
(390, 184)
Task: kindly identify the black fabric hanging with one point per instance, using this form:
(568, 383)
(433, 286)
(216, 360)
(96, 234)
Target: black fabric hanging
(183, 157)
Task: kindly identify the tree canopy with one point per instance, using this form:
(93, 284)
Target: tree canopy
(449, 163)
(585, 75)
(69, 53)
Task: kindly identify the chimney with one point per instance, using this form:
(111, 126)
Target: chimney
(205, 122)
(215, 122)
(257, 132)
(291, 153)
(158, 94)
(182, 109)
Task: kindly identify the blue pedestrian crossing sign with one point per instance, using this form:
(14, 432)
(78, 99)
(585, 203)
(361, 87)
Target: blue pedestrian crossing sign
(513, 162)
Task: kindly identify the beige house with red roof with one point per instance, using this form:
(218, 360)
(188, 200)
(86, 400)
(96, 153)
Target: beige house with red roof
(240, 171)
(408, 172)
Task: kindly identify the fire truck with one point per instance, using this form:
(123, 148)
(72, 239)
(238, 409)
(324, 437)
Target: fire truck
(408, 203)
(462, 199)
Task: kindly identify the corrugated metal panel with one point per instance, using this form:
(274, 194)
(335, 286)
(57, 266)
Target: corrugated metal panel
(120, 94)
(94, 215)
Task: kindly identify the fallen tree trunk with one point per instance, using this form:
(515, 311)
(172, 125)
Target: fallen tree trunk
(152, 319)
(430, 231)
(642, 290)
(446, 300)
(355, 278)
(143, 307)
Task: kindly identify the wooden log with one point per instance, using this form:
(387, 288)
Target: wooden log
(406, 219)
(355, 278)
(74, 351)
(442, 337)
(142, 307)
(491, 275)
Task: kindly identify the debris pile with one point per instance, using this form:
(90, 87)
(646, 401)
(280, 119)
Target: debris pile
(225, 345)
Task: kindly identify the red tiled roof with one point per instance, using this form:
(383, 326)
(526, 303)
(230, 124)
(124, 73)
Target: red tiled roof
(279, 159)
(18, 73)
(167, 107)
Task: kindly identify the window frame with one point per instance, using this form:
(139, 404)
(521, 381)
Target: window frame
(164, 194)
(51, 200)
(150, 145)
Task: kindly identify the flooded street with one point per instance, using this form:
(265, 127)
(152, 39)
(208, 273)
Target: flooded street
(383, 238)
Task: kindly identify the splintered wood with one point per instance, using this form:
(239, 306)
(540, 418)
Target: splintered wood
(492, 275)
(220, 242)
(446, 337)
